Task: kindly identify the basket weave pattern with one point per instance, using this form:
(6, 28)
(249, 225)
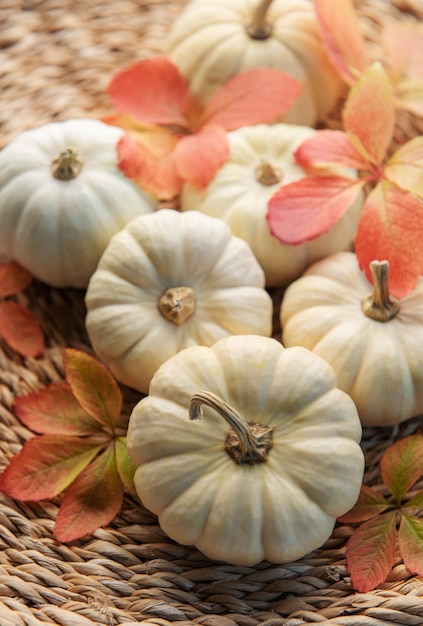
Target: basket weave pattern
(56, 57)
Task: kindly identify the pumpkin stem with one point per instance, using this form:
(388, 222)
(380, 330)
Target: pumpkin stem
(259, 28)
(380, 305)
(245, 443)
(177, 304)
(67, 164)
(267, 174)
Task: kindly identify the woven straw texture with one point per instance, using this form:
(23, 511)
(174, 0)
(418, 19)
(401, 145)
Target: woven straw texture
(56, 57)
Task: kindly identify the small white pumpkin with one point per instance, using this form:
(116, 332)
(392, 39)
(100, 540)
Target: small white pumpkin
(371, 340)
(62, 196)
(168, 281)
(273, 462)
(261, 160)
(210, 42)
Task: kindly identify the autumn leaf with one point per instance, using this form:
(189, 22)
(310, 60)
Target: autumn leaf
(19, 327)
(391, 221)
(370, 550)
(153, 104)
(79, 450)
(341, 32)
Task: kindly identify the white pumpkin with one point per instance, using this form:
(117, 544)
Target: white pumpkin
(62, 196)
(273, 462)
(370, 339)
(212, 41)
(261, 160)
(168, 281)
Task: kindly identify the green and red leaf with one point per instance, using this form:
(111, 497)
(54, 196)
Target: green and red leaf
(92, 500)
(152, 91)
(94, 387)
(370, 503)
(391, 228)
(369, 114)
(252, 97)
(21, 329)
(370, 551)
(125, 466)
(46, 466)
(329, 148)
(342, 36)
(402, 465)
(405, 167)
(54, 411)
(13, 278)
(410, 539)
(305, 209)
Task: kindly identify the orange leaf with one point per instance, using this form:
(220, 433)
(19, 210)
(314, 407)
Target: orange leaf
(94, 387)
(391, 228)
(403, 46)
(252, 97)
(370, 552)
(21, 329)
(369, 114)
(369, 504)
(342, 36)
(329, 148)
(410, 539)
(402, 465)
(54, 410)
(199, 156)
(92, 500)
(152, 91)
(152, 167)
(307, 208)
(405, 167)
(45, 466)
(13, 278)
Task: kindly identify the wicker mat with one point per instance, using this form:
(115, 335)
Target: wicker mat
(56, 57)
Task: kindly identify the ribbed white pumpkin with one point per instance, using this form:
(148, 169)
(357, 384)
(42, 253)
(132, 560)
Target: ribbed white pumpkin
(261, 160)
(268, 482)
(168, 281)
(372, 341)
(62, 196)
(212, 41)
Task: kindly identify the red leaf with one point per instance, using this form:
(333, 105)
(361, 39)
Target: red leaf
(152, 91)
(342, 36)
(153, 171)
(45, 466)
(13, 278)
(54, 410)
(370, 552)
(391, 228)
(369, 114)
(21, 329)
(252, 97)
(329, 148)
(402, 465)
(92, 500)
(410, 538)
(94, 387)
(307, 208)
(369, 504)
(199, 156)
(405, 167)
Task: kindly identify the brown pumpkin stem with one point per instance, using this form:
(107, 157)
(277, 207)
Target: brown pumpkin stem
(245, 443)
(380, 305)
(267, 174)
(67, 164)
(177, 304)
(259, 28)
